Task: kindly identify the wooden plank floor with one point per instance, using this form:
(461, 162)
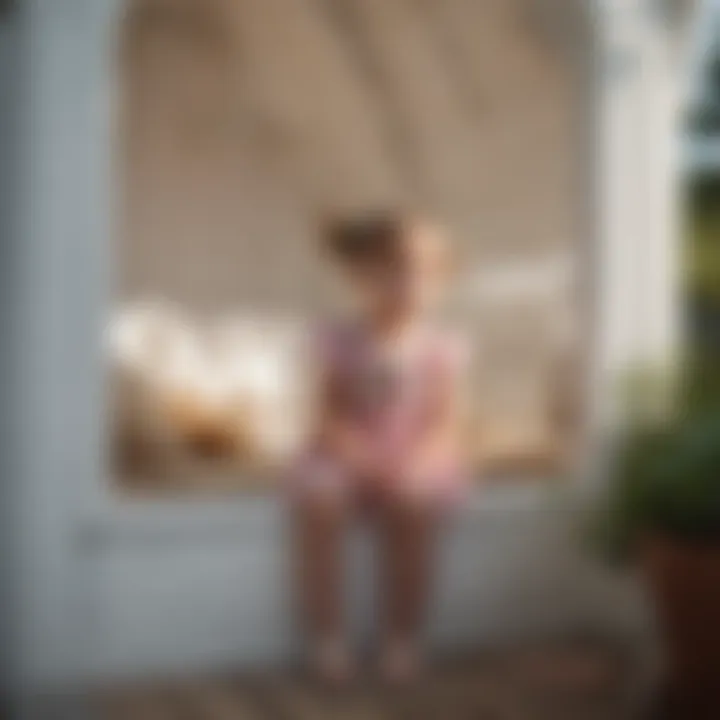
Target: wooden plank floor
(566, 683)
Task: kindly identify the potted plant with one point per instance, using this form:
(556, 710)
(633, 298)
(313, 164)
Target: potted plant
(664, 511)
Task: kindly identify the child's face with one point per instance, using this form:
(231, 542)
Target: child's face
(410, 281)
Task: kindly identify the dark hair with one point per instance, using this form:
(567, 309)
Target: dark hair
(365, 238)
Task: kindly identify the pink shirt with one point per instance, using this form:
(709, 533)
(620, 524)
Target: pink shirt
(390, 390)
(390, 394)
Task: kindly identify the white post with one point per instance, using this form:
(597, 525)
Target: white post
(62, 276)
(661, 78)
(638, 239)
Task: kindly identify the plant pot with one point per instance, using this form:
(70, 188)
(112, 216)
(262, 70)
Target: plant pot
(684, 582)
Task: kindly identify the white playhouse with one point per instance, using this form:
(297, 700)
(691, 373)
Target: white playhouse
(178, 152)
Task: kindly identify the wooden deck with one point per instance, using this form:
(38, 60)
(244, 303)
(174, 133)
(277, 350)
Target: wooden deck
(528, 684)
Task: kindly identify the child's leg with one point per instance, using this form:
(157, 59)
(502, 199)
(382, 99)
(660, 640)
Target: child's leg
(320, 525)
(408, 537)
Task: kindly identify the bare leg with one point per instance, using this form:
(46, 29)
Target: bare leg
(320, 524)
(408, 535)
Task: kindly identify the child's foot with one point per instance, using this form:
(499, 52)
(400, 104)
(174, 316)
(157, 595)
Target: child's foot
(399, 663)
(333, 664)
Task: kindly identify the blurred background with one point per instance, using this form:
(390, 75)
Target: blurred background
(165, 168)
(243, 125)
(702, 131)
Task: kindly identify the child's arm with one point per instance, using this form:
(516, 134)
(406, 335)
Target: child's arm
(340, 437)
(440, 434)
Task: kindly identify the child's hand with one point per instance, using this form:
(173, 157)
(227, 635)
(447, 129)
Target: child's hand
(363, 460)
(395, 466)
(373, 464)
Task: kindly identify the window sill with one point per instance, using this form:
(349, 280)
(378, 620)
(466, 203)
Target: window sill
(161, 516)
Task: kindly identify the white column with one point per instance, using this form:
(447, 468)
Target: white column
(659, 332)
(638, 263)
(63, 281)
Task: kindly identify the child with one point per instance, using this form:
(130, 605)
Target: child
(385, 443)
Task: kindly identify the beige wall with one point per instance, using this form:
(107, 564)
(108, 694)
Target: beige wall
(244, 121)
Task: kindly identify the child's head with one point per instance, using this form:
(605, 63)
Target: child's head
(396, 262)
